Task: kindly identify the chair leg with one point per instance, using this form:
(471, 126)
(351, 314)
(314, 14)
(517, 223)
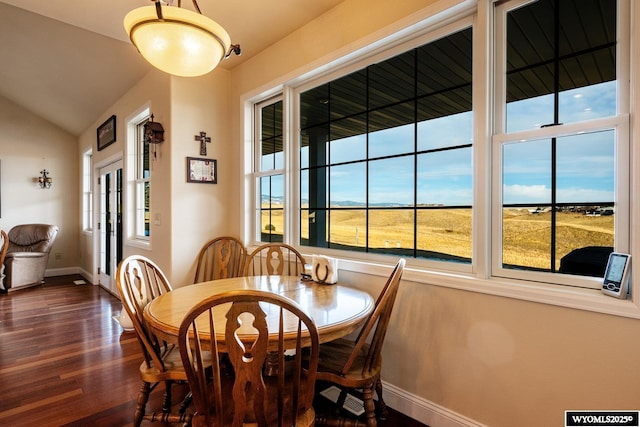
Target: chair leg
(369, 405)
(383, 412)
(143, 397)
(166, 400)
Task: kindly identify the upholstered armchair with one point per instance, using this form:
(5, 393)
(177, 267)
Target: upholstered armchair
(27, 255)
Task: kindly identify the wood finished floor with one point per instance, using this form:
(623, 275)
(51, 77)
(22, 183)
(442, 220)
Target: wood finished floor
(64, 361)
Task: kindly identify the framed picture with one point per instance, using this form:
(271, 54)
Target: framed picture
(106, 133)
(202, 170)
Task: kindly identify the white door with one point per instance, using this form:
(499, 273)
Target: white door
(110, 224)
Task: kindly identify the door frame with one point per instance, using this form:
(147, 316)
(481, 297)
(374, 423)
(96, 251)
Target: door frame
(98, 278)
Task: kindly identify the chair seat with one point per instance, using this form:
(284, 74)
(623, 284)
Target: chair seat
(333, 356)
(173, 367)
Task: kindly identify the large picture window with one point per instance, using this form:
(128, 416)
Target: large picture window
(386, 156)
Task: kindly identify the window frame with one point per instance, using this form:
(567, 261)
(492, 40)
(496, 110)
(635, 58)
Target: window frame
(618, 123)
(444, 18)
(87, 191)
(259, 173)
(134, 182)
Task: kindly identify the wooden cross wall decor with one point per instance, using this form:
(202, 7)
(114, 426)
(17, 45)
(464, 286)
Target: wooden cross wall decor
(203, 138)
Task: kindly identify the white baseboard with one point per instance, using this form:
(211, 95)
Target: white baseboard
(423, 410)
(51, 272)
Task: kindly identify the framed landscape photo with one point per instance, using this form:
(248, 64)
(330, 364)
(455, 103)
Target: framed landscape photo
(202, 170)
(106, 133)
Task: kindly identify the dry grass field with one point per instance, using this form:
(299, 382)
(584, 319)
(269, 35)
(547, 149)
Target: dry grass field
(526, 236)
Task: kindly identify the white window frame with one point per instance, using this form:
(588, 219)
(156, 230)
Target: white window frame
(135, 182)
(87, 191)
(619, 124)
(258, 173)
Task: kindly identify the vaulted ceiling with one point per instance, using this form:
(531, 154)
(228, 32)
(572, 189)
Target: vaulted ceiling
(69, 60)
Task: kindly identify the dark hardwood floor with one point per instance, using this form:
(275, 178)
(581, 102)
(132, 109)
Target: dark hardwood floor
(64, 361)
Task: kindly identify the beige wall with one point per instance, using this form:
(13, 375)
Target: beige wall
(199, 212)
(153, 91)
(183, 215)
(29, 144)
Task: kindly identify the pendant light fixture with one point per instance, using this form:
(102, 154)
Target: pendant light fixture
(178, 41)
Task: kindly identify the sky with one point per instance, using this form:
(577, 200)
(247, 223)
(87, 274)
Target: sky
(585, 162)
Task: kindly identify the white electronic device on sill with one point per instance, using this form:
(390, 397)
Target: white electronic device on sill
(616, 275)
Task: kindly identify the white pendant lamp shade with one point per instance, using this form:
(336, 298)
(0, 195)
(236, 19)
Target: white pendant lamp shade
(182, 43)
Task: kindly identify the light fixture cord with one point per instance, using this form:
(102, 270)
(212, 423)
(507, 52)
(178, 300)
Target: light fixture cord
(195, 5)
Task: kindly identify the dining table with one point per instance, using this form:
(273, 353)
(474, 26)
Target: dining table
(337, 310)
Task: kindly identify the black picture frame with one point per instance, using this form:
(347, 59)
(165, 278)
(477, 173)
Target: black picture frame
(106, 133)
(201, 170)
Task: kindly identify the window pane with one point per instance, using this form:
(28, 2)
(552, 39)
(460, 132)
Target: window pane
(391, 140)
(271, 147)
(391, 181)
(392, 81)
(526, 176)
(348, 185)
(349, 95)
(391, 231)
(314, 106)
(586, 167)
(349, 149)
(445, 179)
(526, 238)
(560, 57)
(446, 131)
(348, 229)
(272, 208)
(313, 187)
(558, 197)
(313, 151)
(444, 234)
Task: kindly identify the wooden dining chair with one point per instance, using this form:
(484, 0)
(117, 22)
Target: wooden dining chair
(356, 364)
(273, 259)
(220, 258)
(252, 323)
(4, 246)
(139, 281)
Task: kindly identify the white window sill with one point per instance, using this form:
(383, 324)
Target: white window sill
(563, 296)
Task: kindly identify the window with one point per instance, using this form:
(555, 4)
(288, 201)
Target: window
(507, 168)
(87, 191)
(385, 159)
(138, 169)
(270, 172)
(561, 132)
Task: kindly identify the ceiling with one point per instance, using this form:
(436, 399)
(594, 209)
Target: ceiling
(68, 61)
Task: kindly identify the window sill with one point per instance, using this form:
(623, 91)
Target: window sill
(563, 296)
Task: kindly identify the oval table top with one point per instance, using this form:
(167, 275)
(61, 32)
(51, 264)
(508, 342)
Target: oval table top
(336, 310)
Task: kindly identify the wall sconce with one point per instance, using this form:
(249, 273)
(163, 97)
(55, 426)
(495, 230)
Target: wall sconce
(44, 180)
(153, 133)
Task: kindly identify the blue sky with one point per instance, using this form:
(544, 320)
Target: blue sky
(585, 162)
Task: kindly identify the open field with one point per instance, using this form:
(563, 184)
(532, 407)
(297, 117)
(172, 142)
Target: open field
(448, 231)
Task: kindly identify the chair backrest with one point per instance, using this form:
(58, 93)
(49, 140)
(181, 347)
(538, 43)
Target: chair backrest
(274, 259)
(4, 245)
(140, 281)
(250, 323)
(377, 323)
(32, 238)
(220, 258)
